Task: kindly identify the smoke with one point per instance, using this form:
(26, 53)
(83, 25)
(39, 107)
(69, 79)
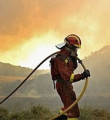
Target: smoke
(23, 20)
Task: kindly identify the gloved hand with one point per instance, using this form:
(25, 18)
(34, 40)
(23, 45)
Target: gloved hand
(85, 74)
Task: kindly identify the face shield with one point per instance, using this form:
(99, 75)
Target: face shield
(61, 45)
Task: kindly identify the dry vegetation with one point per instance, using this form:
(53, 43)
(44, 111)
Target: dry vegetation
(43, 113)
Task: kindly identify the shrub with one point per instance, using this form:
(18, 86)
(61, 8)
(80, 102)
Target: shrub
(41, 113)
(3, 113)
(100, 114)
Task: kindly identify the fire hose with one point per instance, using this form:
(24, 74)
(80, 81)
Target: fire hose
(27, 78)
(80, 96)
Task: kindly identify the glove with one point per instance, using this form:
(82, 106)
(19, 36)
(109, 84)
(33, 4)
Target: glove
(85, 74)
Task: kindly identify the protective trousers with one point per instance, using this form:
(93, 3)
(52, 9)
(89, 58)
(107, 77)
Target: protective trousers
(68, 96)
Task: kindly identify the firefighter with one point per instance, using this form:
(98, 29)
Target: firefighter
(62, 70)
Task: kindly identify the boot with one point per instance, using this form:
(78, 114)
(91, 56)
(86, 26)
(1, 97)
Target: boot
(72, 118)
(62, 117)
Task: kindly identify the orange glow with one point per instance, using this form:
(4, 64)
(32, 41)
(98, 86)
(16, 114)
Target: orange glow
(29, 30)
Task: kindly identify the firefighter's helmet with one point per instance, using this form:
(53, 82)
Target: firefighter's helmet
(70, 40)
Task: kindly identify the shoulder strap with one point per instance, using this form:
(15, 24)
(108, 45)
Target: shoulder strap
(64, 57)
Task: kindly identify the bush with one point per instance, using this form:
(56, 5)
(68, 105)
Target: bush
(41, 113)
(90, 114)
(3, 113)
(36, 113)
(100, 114)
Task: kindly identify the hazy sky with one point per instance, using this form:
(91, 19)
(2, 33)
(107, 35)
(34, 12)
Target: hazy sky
(30, 29)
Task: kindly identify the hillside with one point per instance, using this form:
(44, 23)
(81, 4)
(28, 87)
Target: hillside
(10, 72)
(99, 65)
(98, 91)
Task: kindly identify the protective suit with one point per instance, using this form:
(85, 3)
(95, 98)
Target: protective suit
(66, 66)
(62, 70)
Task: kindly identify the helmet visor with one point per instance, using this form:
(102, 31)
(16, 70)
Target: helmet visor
(59, 46)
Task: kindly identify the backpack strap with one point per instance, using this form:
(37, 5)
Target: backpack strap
(66, 59)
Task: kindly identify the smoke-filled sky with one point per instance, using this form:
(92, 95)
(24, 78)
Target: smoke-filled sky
(30, 29)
